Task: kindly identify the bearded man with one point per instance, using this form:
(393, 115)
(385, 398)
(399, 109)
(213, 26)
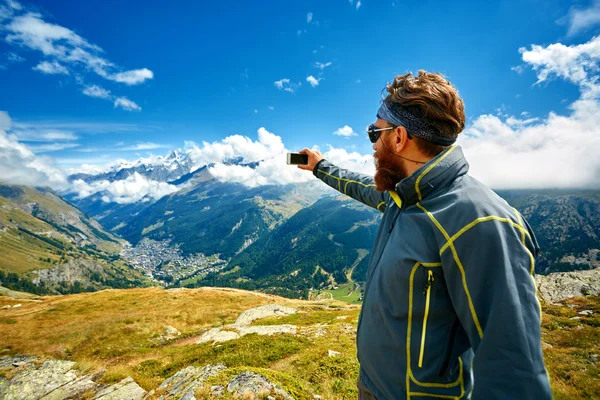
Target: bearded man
(450, 308)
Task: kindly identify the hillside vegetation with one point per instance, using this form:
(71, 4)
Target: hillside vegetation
(121, 331)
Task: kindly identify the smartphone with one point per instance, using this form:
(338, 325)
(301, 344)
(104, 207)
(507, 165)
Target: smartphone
(297, 159)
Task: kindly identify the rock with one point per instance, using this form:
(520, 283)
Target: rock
(185, 382)
(170, 333)
(586, 312)
(559, 286)
(216, 335)
(16, 361)
(575, 318)
(594, 358)
(546, 346)
(269, 310)
(53, 380)
(5, 307)
(126, 389)
(317, 397)
(267, 329)
(342, 317)
(217, 390)
(17, 305)
(251, 385)
(333, 353)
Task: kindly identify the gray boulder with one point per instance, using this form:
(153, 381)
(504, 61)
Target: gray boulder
(560, 286)
(53, 380)
(269, 310)
(126, 389)
(251, 385)
(184, 383)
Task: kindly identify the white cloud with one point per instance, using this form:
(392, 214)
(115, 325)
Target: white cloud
(130, 190)
(345, 131)
(144, 146)
(51, 68)
(33, 135)
(45, 148)
(97, 91)
(358, 4)
(309, 17)
(14, 4)
(271, 108)
(20, 166)
(133, 77)
(62, 48)
(14, 57)
(285, 85)
(313, 81)
(556, 151)
(126, 104)
(321, 65)
(580, 20)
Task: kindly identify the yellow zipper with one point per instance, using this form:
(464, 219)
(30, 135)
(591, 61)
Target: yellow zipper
(428, 294)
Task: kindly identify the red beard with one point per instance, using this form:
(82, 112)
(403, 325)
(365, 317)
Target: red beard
(389, 171)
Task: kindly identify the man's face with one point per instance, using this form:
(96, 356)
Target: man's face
(390, 169)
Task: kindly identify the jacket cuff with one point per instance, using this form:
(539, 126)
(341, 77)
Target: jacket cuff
(316, 168)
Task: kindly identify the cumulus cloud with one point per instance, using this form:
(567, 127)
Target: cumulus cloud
(309, 17)
(555, 151)
(133, 77)
(313, 81)
(285, 85)
(345, 131)
(20, 166)
(51, 68)
(581, 19)
(96, 91)
(126, 104)
(133, 189)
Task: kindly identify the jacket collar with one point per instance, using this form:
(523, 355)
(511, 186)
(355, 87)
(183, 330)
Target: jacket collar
(436, 174)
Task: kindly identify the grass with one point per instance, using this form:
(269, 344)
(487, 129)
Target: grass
(346, 292)
(118, 330)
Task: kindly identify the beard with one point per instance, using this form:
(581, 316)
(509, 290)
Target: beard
(389, 171)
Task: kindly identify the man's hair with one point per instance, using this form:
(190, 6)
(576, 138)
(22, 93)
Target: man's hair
(430, 97)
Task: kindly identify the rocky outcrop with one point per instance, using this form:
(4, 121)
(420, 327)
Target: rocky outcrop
(559, 286)
(269, 310)
(240, 327)
(53, 379)
(126, 389)
(250, 385)
(184, 383)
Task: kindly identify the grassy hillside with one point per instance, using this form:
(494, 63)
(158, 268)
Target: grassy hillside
(119, 330)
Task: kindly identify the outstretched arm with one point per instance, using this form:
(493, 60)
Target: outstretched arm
(358, 186)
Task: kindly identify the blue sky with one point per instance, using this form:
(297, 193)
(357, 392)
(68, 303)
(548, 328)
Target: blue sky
(203, 71)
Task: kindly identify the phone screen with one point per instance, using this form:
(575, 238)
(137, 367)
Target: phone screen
(297, 159)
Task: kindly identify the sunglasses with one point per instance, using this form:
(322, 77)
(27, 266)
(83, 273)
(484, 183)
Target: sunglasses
(374, 132)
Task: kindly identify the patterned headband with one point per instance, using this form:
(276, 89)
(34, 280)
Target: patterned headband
(399, 116)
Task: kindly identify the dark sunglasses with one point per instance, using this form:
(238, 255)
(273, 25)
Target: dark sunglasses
(374, 132)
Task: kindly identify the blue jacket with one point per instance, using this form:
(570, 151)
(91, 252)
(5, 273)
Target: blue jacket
(450, 307)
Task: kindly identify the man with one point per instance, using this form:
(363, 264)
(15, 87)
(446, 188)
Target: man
(450, 308)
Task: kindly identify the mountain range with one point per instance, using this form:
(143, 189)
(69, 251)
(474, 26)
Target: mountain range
(284, 239)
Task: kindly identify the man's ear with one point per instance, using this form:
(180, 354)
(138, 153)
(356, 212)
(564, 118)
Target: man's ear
(400, 138)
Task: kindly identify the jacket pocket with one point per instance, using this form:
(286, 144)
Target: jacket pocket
(427, 294)
(447, 356)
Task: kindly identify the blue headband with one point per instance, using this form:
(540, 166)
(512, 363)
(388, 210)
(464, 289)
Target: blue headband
(399, 116)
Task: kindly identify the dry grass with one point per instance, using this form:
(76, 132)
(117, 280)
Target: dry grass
(118, 331)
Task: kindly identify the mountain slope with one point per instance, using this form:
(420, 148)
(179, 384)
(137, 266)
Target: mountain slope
(315, 248)
(40, 231)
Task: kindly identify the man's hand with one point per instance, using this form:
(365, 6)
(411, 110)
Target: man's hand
(313, 158)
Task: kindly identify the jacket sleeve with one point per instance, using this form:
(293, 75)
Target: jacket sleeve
(358, 186)
(489, 275)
